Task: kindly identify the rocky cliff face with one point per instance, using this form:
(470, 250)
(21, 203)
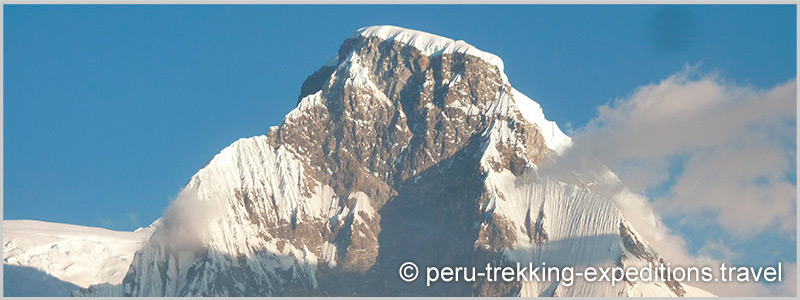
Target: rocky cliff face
(411, 147)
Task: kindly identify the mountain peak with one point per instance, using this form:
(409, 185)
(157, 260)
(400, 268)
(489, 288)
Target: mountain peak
(427, 43)
(393, 154)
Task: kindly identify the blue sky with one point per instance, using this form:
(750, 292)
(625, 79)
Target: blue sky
(109, 110)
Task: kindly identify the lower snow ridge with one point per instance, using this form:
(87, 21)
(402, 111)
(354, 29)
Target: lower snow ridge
(75, 256)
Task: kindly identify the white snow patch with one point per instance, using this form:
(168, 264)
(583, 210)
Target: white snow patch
(306, 104)
(362, 204)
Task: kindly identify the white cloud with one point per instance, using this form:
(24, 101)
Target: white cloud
(738, 144)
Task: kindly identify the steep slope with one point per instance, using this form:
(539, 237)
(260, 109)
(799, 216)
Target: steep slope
(74, 255)
(410, 147)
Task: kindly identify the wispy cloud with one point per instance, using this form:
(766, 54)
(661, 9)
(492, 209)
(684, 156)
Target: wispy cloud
(186, 222)
(133, 219)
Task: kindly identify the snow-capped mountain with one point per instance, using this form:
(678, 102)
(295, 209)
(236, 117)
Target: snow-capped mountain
(406, 147)
(77, 256)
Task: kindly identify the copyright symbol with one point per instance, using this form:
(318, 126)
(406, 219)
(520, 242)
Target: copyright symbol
(408, 272)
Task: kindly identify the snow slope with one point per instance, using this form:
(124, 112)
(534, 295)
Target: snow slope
(74, 254)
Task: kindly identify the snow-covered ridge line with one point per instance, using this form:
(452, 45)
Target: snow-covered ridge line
(76, 254)
(532, 111)
(45, 230)
(430, 44)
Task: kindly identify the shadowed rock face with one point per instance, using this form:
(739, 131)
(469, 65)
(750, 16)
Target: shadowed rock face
(385, 160)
